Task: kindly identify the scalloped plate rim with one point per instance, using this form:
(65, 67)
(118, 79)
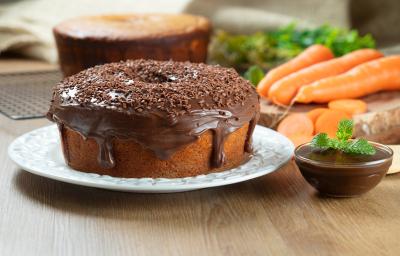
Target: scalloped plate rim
(147, 188)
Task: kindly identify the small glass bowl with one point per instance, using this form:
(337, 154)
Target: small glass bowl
(344, 180)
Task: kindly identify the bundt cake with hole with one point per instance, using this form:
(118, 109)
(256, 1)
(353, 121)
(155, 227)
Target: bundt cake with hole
(146, 118)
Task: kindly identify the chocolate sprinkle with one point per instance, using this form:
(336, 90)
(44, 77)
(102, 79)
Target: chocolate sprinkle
(144, 85)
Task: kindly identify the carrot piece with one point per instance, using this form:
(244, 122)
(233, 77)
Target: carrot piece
(283, 91)
(315, 113)
(350, 106)
(300, 139)
(313, 54)
(377, 75)
(328, 122)
(296, 124)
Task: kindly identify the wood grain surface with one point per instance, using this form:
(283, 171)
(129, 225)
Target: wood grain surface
(278, 214)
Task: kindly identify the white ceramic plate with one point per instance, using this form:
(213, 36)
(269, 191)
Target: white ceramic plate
(39, 152)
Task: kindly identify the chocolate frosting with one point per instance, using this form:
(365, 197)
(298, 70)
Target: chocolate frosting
(162, 105)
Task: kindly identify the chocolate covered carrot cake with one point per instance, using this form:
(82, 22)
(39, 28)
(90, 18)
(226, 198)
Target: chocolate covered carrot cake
(146, 118)
(88, 41)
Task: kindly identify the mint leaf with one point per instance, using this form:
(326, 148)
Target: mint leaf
(345, 130)
(254, 74)
(321, 140)
(343, 142)
(335, 144)
(360, 146)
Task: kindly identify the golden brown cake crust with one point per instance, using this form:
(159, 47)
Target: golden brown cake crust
(128, 27)
(88, 41)
(134, 161)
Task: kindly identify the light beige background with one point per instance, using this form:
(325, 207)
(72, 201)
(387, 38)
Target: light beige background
(25, 26)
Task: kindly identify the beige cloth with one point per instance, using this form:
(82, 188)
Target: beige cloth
(246, 16)
(25, 26)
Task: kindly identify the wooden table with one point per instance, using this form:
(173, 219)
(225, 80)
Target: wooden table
(278, 214)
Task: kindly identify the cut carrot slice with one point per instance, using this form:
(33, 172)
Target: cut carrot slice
(350, 106)
(296, 125)
(328, 122)
(315, 113)
(300, 139)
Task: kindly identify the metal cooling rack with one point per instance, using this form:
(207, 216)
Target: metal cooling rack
(27, 95)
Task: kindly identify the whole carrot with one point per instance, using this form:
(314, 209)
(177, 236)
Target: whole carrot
(377, 75)
(283, 91)
(313, 54)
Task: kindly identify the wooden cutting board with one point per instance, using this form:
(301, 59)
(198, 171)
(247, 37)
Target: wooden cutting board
(381, 123)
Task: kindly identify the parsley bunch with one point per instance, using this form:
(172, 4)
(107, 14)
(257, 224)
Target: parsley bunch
(342, 141)
(267, 49)
(254, 74)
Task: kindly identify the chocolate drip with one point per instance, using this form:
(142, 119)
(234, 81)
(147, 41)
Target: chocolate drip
(218, 155)
(63, 140)
(162, 118)
(247, 145)
(153, 131)
(105, 156)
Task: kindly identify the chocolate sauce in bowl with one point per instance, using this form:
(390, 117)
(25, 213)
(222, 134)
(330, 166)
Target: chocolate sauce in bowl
(340, 174)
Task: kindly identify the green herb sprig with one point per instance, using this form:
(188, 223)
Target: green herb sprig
(254, 74)
(271, 48)
(343, 140)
